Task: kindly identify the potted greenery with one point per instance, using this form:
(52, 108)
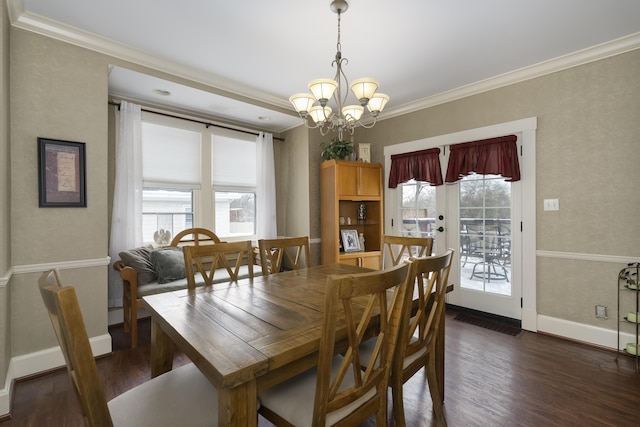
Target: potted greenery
(337, 149)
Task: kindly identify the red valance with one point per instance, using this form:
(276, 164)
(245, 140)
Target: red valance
(494, 156)
(421, 165)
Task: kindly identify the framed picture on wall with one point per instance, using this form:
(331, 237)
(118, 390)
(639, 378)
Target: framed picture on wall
(350, 241)
(61, 174)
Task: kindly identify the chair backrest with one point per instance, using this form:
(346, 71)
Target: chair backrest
(194, 237)
(50, 277)
(360, 299)
(291, 249)
(206, 259)
(68, 324)
(397, 248)
(419, 332)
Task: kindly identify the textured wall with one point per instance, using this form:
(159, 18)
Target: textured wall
(587, 157)
(58, 91)
(292, 183)
(5, 194)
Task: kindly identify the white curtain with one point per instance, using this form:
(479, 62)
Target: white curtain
(126, 219)
(266, 188)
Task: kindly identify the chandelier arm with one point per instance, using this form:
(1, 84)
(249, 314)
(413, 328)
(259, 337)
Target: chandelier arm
(305, 121)
(351, 129)
(375, 119)
(342, 75)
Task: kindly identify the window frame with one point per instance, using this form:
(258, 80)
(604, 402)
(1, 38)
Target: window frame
(203, 196)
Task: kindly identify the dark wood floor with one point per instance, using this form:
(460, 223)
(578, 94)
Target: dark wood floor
(492, 379)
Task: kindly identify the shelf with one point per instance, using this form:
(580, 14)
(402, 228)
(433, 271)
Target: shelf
(628, 280)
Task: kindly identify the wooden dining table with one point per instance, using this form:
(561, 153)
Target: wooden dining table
(248, 335)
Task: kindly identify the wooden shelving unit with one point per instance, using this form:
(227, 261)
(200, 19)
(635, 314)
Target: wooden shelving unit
(343, 187)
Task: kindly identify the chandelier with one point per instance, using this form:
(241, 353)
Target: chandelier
(345, 117)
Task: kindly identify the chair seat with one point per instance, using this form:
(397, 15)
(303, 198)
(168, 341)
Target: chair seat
(181, 397)
(293, 399)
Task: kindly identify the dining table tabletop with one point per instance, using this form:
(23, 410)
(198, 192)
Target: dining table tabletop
(248, 335)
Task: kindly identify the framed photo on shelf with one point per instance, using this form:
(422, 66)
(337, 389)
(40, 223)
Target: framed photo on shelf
(350, 241)
(61, 174)
(364, 152)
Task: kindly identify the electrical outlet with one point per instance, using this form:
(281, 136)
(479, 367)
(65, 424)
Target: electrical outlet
(601, 311)
(551, 205)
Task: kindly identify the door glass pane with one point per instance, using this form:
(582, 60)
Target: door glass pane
(418, 209)
(485, 234)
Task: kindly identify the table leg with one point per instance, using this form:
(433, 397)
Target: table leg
(162, 351)
(238, 406)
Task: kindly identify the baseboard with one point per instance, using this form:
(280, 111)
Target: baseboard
(574, 331)
(589, 334)
(40, 361)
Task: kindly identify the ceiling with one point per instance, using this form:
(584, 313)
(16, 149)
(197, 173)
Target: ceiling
(239, 61)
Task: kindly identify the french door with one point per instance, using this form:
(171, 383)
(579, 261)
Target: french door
(484, 224)
(475, 217)
(489, 222)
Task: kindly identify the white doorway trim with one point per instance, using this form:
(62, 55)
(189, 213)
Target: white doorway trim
(526, 128)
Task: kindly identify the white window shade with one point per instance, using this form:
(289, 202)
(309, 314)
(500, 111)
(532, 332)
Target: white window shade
(170, 155)
(233, 161)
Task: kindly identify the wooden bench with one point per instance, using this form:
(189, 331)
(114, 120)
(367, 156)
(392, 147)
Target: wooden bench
(133, 291)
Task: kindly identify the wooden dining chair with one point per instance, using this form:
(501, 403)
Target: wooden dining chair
(51, 277)
(337, 392)
(230, 257)
(397, 248)
(182, 396)
(292, 250)
(418, 335)
(195, 237)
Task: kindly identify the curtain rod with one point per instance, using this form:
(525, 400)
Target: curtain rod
(207, 124)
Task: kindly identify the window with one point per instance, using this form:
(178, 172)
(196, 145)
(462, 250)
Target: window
(233, 177)
(167, 210)
(235, 213)
(177, 158)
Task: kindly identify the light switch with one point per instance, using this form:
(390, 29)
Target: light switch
(551, 205)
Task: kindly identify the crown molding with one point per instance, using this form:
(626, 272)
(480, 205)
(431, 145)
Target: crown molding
(56, 30)
(574, 59)
(225, 87)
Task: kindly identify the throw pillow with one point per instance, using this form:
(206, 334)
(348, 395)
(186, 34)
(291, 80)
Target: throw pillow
(169, 264)
(139, 260)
